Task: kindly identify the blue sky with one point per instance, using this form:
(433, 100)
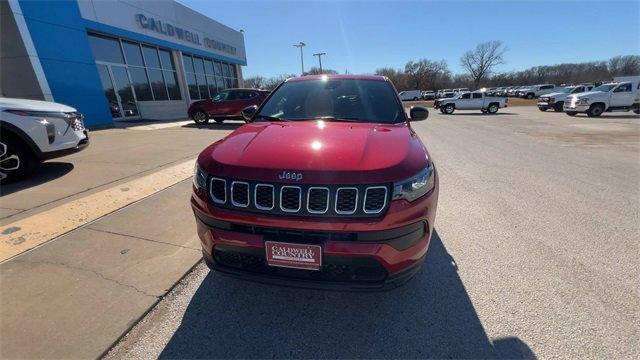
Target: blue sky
(361, 36)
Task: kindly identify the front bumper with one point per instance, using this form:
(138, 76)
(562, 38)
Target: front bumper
(574, 107)
(358, 254)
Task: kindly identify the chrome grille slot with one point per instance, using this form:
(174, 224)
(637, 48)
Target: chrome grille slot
(264, 196)
(240, 193)
(290, 198)
(318, 200)
(346, 200)
(375, 199)
(218, 190)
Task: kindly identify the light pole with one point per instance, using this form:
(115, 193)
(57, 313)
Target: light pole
(319, 55)
(301, 45)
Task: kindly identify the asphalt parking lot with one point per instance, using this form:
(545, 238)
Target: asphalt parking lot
(534, 254)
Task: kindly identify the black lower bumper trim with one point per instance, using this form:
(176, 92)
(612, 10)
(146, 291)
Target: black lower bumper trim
(390, 282)
(400, 238)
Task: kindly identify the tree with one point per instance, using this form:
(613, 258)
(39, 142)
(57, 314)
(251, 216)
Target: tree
(426, 74)
(397, 77)
(481, 61)
(273, 82)
(255, 82)
(624, 65)
(316, 71)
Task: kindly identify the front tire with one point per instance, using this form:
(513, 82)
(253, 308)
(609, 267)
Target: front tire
(200, 117)
(16, 161)
(595, 110)
(571, 113)
(492, 109)
(449, 109)
(558, 106)
(529, 96)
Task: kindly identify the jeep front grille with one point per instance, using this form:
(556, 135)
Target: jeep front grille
(309, 200)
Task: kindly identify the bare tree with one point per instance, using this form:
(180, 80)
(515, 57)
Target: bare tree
(255, 82)
(481, 61)
(316, 71)
(426, 74)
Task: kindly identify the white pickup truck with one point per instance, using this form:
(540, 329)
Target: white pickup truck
(555, 100)
(477, 100)
(621, 95)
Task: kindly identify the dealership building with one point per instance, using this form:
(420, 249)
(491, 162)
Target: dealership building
(116, 60)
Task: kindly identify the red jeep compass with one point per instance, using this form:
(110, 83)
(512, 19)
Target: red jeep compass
(228, 104)
(325, 186)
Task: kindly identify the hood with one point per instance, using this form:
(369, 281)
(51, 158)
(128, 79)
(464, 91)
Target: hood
(323, 152)
(33, 105)
(555, 95)
(587, 94)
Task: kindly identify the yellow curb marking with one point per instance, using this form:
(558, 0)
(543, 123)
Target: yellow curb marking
(25, 234)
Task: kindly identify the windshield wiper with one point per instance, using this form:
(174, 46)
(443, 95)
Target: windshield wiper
(333, 118)
(269, 118)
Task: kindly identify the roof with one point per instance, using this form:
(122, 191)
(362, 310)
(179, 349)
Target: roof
(338, 77)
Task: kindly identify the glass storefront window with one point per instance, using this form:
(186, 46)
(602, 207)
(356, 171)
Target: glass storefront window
(208, 67)
(157, 84)
(225, 70)
(140, 84)
(151, 56)
(106, 49)
(211, 81)
(188, 63)
(132, 53)
(171, 79)
(218, 69)
(194, 94)
(202, 86)
(166, 60)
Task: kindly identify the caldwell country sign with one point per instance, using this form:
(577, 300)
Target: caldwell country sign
(183, 34)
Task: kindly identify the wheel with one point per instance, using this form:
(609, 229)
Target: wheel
(218, 120)
(558, 106)
(449, 109)
(595, 110)
(571, 113)
(542, 108)
(200, 117)
(493, 108)
(529, 96)
(16, 161)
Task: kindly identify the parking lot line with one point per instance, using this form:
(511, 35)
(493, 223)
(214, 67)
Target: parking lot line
(25, 234)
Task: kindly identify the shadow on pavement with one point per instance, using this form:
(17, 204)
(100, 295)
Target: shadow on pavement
(214, 126)
(431, 316)
(480, 114)
(46, 172)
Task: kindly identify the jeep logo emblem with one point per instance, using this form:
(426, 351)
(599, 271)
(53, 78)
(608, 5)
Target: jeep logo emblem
(290, 176)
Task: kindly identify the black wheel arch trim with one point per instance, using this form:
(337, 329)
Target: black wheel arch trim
(20, 134)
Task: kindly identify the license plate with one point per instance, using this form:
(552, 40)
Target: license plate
(297, 256)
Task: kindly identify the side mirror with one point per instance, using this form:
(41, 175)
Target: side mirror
(417, 113)
(249, 111)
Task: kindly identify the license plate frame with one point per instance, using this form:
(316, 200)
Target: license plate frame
(293, 256)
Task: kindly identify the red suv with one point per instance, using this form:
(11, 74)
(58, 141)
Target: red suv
(325, 186)
(228, 104)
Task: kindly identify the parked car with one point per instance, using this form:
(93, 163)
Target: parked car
(620, 95)
(290, 204)
(33, 131)
(477, 100)
(513, 92)
(445, 93)
(227, 104)
(428, 95)
(536, 91)
(555, 100)
(410, 95)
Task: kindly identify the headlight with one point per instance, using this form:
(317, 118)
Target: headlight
(416, 186)
(199, 177)
(583, 101)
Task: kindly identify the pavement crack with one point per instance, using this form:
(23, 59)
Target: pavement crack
(95, 272)
(140, 238)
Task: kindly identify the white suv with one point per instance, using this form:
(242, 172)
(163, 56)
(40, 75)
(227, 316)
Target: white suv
(32, 131)
(536, 90)
(410, 95)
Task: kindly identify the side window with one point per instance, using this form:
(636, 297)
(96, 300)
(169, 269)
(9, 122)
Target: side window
(546, 87)
(623, 88)
(477, 96)
(466, 96)
(233, 95)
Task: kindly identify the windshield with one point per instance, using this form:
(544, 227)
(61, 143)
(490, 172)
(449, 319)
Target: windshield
(605, 87)
(342, 99)
(567, 90)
